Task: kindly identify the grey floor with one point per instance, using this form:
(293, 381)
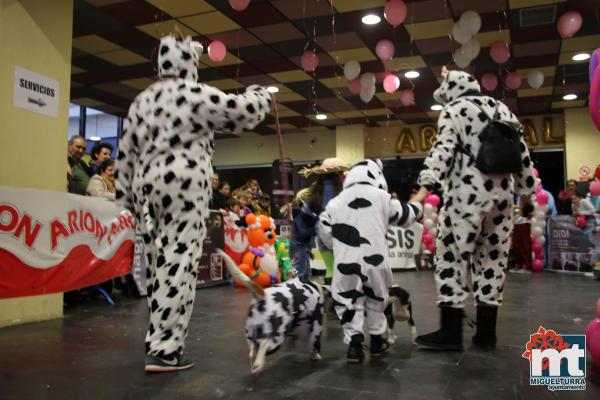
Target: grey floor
(96, 352)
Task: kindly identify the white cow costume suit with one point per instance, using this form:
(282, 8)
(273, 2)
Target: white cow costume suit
(475, 222)
(354, 224)
(164, 170)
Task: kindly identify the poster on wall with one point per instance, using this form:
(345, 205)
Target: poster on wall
(35, 92)
(404, 244)
(210, 270)
(574, 249)
(53, 242)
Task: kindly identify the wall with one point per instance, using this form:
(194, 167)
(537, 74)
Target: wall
(350, 143)
(582, 143)
(33, 153)
(381, 141)
(264, 149)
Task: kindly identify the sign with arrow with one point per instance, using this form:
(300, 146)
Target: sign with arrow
(35, 92)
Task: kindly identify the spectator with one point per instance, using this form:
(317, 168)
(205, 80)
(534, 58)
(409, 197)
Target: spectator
(221, 196)
(100, 152)
(215, 188)
(263, 207)
(564, 198)
(103, 183)
(521, 237)
(78, 176)
(581, 206)
(254, 189)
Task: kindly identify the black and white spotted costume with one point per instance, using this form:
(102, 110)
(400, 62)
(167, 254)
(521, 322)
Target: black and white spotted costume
(287, 307)
(164, 170)
(354, 224)
(475, 223)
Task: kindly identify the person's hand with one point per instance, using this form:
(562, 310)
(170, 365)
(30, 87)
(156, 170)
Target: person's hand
(419, 197)
(445, 72)
(69, 171)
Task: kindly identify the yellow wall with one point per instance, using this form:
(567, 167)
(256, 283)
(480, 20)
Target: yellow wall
(350, 143)
(381, 141)
(248, 150)
(34, 35)
(582, 143)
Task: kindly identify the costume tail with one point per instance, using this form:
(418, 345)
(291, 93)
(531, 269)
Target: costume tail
(241, 277)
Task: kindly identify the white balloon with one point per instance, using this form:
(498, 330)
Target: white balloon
(542, 207)
(535, 79)
(428, 223)
(433, 232)
(470, 22)
(352, 70)
(541, 240)
(458, 34)
(538, 181)
(434, 216)
(540, 215)
(367, 80)
(427, 209)
(537, 231)
(472, 48)
(460, 57)
(367, 93)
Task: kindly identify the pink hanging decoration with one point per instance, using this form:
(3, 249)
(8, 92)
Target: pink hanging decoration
(513, 80)
(309, 61)
(568, 24)
(500, 52)
(385, 49)
(407, 97)
(391, 83)
(354, 86)
(395, 12)
(542, 198)
(217, 51)
(489, 81)
(239, 5)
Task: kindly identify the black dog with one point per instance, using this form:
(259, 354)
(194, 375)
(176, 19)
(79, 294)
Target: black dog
(399, 309)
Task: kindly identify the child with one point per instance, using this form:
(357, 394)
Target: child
(581, 206)
(521, 237)
(354, 224)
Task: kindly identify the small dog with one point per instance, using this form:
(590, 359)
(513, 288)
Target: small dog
(399, 308)
(278, 311)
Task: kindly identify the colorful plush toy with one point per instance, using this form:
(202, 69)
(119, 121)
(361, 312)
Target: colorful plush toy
(260, 262)
(282, 251)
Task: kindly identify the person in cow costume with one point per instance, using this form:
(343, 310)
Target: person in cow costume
(354, 224)
(164, 171)
(476, 220)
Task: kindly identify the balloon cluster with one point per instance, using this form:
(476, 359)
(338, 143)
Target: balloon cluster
(260, 262)
(513, 80)
(462, 31)
(430, 218)
(592, 336)
(538, 225)
(594, 101)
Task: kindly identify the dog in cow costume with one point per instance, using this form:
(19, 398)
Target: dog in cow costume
(164, 169)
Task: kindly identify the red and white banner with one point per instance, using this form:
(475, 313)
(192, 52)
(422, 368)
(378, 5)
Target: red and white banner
(54, 242)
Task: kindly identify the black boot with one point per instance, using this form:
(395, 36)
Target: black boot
(449, 337)
(485, 336)
(378, 345)
(355, 353)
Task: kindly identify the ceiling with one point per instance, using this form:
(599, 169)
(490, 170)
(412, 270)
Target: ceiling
(115, 40)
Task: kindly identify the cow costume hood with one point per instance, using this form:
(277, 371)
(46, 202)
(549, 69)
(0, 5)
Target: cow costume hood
(179, 58)
(455, 85)
(366, 172)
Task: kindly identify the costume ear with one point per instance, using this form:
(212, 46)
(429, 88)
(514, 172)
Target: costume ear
(265, 222)
(379, 163)
(250, 219)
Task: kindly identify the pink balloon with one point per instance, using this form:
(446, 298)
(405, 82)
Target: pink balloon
(309, 61)
(593, 345)
(536, 173)
(354, 86)
(541, 198)
(427, 238)
(217, 51)
(595, 188)
(568, 24)
(489, 82)
(513, 80)
(433, 199)
(581, 222)
(391, 83)
(500, 52)
(385, 49)
(538, 266)
(537, 247)
(395, 12)
(407, 97)
(431, 247)
(239, 5)
(592, 327)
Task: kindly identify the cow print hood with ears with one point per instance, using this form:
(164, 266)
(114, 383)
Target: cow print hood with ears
(366, 172)
(456, 84)
(179, 58)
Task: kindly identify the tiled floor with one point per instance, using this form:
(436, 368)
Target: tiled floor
(96, 352)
